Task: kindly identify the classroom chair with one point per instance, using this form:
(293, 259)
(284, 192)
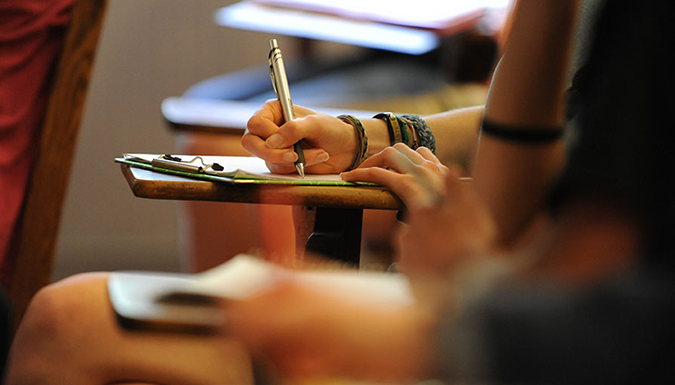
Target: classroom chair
(34, 240)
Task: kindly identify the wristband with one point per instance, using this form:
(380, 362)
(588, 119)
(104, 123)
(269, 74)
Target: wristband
(522, 134)
(392, 125)
(361, 139)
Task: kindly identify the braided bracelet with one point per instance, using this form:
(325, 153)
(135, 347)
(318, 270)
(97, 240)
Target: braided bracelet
(361, 139)
(522, 134)
(423, 131)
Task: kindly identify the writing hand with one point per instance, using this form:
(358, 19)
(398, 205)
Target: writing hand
(329, 144)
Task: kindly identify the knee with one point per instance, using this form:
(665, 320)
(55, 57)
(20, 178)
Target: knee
(59, 311)
(52, 328)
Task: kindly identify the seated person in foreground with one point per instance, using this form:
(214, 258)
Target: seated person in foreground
(602, 240)
(589, 297)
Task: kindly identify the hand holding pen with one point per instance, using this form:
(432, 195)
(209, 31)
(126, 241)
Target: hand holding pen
(283, 92)
(328, 143)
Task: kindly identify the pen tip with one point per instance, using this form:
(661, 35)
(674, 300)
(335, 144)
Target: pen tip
(301, 169)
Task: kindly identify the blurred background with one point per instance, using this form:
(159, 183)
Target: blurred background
(149, 50)
(154, 49)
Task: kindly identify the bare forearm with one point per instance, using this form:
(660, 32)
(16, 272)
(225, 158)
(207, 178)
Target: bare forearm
(527, 90)
(456, 133)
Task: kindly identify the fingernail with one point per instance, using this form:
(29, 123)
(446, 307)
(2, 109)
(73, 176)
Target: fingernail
(274, 141)
(290, 157)
(323, 157)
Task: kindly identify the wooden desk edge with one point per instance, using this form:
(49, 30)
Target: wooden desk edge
(189, 127)
(316, 196)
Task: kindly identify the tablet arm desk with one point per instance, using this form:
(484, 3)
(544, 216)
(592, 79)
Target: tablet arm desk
(332, 214)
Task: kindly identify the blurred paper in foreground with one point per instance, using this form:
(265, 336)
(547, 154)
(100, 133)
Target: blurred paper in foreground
(193, 303)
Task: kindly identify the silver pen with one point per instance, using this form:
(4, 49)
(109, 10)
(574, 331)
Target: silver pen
(283, 92)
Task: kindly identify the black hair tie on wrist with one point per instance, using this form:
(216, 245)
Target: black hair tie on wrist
(522, 134)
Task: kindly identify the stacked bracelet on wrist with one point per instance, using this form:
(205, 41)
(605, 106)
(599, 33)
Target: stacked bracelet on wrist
(392, 125)
(410, 130)
(361, 139)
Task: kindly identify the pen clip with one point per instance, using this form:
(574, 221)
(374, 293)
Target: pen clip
(176, 163)
(270, 61)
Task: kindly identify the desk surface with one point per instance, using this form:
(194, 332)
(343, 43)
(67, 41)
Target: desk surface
(154, 185)
(225, 116)
(462, 16)
(254, 17)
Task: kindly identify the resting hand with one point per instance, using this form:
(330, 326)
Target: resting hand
(416, 177)
(447, 222)
(329, 143)
(304, 333)
(439, 240)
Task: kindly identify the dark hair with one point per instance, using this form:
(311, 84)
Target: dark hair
(624, 97)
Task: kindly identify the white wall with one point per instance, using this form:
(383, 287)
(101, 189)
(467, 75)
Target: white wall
(149, 50)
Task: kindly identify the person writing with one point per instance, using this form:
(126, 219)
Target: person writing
(457, 225)
(542, 320)
(588, 297)
(48, 316)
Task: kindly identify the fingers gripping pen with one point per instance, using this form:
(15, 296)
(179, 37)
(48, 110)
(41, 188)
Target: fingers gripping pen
(283, 92)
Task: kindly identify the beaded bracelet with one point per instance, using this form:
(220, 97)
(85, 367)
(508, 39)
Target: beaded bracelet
(522, 134)
(361, 139)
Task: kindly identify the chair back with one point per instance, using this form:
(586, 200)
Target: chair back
(34, 241)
